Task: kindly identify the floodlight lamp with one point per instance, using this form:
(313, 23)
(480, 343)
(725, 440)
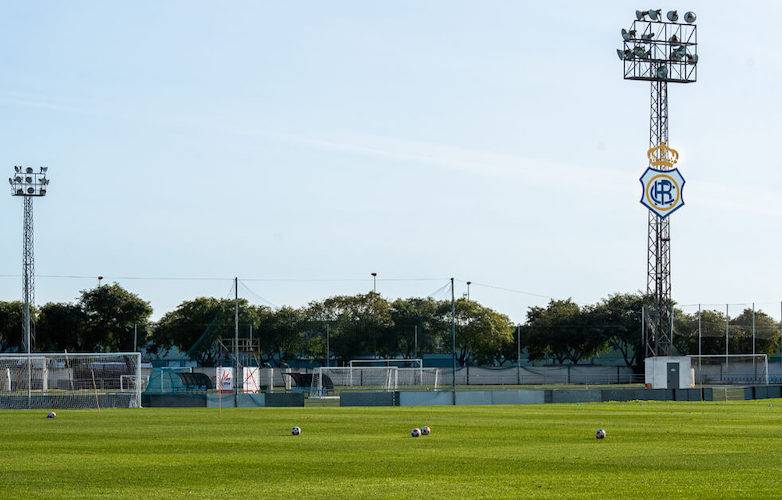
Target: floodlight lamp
(19, 191)
(662, 72)
(628, 35)
(44, 169)
(692, 58)
(29, 170)
(18, 178)
(655, 14)
(30, 190)
(43, 191)
(639, 51)
(673, 39)
(621, 54)
(648, 37)
(672, 16)
(17, 169)
(689, 17)
(10, 181)
(28, 180)
(640, 14)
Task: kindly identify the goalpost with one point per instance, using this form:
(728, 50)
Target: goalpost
(70, 380)
(730, 369)
(326, 380)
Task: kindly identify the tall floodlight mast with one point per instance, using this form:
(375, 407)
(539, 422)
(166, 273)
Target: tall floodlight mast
(660, 51)
(28, 183)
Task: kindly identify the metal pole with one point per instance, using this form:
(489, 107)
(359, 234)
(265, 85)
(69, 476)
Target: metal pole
(754, 366)
(328, 344)
(29, 277)
(700, 360)
(518, 354)
(671, 330)
(643, 332)
(135, 336)
(727, 327)
(415, 342)
(237, 377)
(453, 342)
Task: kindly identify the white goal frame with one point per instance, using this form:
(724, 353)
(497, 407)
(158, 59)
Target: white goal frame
(384, 378)
(696, 362)
(70, 380)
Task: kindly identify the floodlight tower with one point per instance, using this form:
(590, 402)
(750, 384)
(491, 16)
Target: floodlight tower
(660, 51)
(29, 184)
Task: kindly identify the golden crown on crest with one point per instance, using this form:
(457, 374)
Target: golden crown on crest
(662, 155)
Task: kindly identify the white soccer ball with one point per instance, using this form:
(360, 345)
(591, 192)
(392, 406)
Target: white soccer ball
(296, 431)
(600, 434)
(425, 430)
(415, 432)
(51, 415)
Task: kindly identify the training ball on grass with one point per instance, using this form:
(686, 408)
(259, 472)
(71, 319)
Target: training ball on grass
(425, 430)
(415, 432)
(296, 431)
(600, 434)
(51, 415)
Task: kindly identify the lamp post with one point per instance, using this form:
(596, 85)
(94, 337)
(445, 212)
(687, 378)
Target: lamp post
(468, 290)
(374, 282)
(28, 184)
(660, 50)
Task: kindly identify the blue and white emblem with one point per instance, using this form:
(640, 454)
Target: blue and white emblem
(662, 191)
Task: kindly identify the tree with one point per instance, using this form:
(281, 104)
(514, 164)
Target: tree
(11, 317)
(110, 315)
(423, 315)
(60, 327)
(196, 325)
(481, 333)
(283, 335)
(620, 316)
(358, 324)
(564, 331)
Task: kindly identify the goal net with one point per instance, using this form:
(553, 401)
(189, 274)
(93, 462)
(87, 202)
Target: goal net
(65, 380)
(730, 369)
(377, 378)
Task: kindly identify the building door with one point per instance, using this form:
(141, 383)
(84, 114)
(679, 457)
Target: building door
(673, 375)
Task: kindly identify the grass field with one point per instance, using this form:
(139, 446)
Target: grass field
(653, 449)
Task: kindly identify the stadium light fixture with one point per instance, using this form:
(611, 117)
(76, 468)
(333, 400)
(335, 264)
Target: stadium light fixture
(690, 17)
(641, 14)
(655, 14)
(672, 16)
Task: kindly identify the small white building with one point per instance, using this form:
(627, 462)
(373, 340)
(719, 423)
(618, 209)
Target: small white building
(669, 372)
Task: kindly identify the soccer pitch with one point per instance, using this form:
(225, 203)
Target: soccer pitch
(653, 449)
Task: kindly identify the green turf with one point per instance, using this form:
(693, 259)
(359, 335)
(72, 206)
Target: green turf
(653, 449)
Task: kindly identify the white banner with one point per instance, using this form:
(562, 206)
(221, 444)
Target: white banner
(224, 378)
(252, 379)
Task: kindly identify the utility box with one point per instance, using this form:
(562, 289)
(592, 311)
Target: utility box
(669, 372)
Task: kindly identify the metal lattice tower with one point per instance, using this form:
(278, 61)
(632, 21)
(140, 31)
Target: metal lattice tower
(28, 184)
(28, 266)
(658, 261)
(659, 52)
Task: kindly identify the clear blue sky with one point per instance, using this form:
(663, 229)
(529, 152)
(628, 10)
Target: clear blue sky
(492, 141)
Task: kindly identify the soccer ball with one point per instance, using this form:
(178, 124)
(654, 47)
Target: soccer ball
(425, 430)
(51, 415)
(600, 434)
(296, 431)
(415, 432)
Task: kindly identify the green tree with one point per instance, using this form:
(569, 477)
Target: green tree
(482, 334)
(60, 327)
(196, 325)
(619, 315)
(358, 324)
(283, 335)
(423, 315)
(564, 331)
(11, 315)
(110, 314)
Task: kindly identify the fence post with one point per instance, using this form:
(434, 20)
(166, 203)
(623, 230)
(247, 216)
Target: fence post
(727, 327)
(518, 354)
(700, 359)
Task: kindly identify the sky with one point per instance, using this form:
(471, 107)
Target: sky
(303, 145)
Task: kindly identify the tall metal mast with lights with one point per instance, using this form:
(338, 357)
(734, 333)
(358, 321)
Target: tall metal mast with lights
(660, 52)
(28, 184)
